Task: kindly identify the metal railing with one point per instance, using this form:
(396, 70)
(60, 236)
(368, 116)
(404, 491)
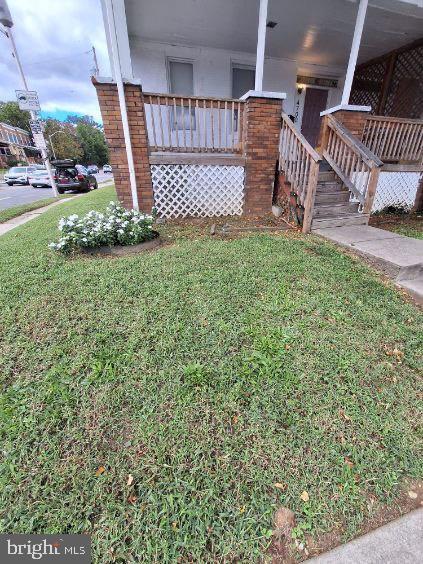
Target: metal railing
(194, 123)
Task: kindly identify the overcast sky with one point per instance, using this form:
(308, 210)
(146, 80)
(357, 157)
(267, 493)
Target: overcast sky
(51, 37)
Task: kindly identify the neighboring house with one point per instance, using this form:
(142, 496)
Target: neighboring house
(16, 145)
(194, 59)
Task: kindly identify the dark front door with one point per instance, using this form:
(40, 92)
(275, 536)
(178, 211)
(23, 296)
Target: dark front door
(314, 103)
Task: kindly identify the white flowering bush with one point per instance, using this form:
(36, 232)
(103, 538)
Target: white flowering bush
(117, 226)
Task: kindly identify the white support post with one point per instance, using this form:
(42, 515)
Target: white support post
(359, 24)
(261, 44)
(117, 74)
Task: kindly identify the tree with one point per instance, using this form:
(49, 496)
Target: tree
(93, 142)
(12, 115)
(64, 140)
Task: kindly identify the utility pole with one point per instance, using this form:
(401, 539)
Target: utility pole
(6, 20)
(96, 69)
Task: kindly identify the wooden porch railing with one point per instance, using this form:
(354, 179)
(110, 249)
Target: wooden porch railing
(352, 161)
(194, 124)
(300, 164)
(394, 139)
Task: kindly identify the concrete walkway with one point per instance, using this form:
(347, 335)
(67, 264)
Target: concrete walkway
(29, 216)
(399, 542)
(398, 256)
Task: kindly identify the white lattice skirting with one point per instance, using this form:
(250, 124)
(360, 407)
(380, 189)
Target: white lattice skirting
(197, 190)
(396, 189)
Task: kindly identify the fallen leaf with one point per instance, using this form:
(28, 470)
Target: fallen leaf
(304, 496)
(100, 471)
(242, 509)
(412, 494)
(130, 480)
(344, 415)
(174, 525)
(348, 462)
(132, 499)
(235, 419)
(280, 486)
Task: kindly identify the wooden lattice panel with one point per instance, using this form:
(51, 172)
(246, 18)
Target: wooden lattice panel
(197, 190)
(405, 96)
(396, 189)
(367, 85)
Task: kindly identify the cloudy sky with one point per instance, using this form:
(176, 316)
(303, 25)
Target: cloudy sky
(53, 37)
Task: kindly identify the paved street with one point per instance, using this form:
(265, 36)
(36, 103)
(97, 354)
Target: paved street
(11, 196)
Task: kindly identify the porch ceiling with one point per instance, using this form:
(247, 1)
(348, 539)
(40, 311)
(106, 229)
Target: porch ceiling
(310, 31)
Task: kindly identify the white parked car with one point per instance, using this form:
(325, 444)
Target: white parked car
(107, 168)
(19, 174)
(40, 178)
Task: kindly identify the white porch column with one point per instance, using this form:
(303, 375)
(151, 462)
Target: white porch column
(122, 37)
(261, 44)
(359, 24)
(117, 75)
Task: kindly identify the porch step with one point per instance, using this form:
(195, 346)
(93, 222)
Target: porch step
(331, 186)
(351, 219)
(326, 175)
(335, 197)
(335, 210)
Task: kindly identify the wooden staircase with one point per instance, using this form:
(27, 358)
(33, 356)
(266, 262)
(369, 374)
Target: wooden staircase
(332, 205)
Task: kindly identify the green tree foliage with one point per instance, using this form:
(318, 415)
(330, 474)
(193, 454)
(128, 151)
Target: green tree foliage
(12, 115)
(92, 140)
(64, 140)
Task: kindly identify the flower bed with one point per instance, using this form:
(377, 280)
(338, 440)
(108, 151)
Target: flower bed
(116, 227)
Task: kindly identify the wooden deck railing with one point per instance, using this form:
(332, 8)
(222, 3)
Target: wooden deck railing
(394, 139)
(190, 124)
(300, 164)
(352, 161)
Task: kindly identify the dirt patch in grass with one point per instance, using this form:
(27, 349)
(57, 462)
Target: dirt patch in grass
(410, 225)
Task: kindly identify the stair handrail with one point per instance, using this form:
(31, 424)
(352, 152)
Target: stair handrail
(299, 163)
(356, 165)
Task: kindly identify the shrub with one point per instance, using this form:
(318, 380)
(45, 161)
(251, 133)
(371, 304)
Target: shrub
(117, 226)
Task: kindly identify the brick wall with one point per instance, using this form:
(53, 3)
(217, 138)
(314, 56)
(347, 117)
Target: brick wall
(354, 121)
(262, 121)
(113, 129)
(262, 129)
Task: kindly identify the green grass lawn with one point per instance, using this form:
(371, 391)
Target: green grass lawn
(15, 211)
(154, 401)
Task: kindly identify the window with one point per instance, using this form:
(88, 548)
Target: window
(243, 80)
(181, 82)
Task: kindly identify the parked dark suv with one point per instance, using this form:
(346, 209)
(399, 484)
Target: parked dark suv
(72, 176)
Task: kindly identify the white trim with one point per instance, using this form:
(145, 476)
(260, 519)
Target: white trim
(116, 70)
(348, 108)
(110, 80)
(263, 94)
(261, 45)
(355, 46)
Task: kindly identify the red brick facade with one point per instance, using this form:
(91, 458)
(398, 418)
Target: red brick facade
(113, 129)
(354, 121)
(262, 130)
(262, 122)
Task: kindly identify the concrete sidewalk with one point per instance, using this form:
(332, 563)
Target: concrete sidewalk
(28, 216)
(398, 256)
(399, 542)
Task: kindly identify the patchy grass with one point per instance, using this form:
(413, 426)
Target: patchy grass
(208, 371)
(10, 213)
(410, 225)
